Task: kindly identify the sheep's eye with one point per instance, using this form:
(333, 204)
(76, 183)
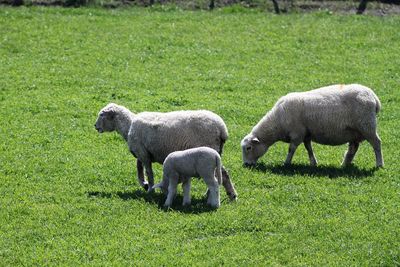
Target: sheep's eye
(248, 148)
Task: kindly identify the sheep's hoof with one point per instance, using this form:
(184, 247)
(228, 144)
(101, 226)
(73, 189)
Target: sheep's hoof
(145, 186)
(150, 189)
(313, 164)
(346, 164)
(232, 196)
(167, 207)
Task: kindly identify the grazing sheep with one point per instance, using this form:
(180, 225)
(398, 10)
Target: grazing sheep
(152, 136)
(332, 115)
(181, 166)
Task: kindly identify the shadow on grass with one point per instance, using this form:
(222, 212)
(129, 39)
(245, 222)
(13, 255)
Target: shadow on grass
(156, 198)
(321, 171)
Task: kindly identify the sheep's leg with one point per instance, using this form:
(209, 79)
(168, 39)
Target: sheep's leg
(311, 156)
(149, 173)
(351, 152)
(140, 172)
(227, 183)
(213, 197)
(173, 183)
(375, 142)
(292, 148)
(186, 191)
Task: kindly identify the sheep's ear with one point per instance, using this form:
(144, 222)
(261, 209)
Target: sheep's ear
(109, 114)
(255, 140)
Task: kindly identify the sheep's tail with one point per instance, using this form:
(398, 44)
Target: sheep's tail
(377, 103)
(218, 170)
(222, 138)
(221, 146)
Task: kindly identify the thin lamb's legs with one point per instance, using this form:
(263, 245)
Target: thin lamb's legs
(375, 142)
(173, 183)
(351, 152)
(213, 188)
(186, 191)
(311, 156)
(292, 149)
(140, 172)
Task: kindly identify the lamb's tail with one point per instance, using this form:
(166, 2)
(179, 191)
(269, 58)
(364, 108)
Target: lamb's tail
(218, 170)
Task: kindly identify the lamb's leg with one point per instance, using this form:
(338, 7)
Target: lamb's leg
(213, 188)
(292, 148)
(375, 142)
(186, 191)
(311, 156)
(150, 176)
(351, 152)
(140, 173)
(173, 183)
(227, 183)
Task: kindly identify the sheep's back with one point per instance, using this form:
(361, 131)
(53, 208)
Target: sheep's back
(164, 133)
(331, 115)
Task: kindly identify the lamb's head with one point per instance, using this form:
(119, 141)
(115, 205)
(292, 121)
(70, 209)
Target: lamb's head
(106, 120)
(252, 149)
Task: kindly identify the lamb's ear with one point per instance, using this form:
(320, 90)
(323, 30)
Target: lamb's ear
(255, 140)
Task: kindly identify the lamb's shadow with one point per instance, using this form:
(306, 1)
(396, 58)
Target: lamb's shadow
(352, 172)
(157, 198)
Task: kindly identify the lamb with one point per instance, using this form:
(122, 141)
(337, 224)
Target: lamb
(332, 115)
(152, 136)
(180, 166)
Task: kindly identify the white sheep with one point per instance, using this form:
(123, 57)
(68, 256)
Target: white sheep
(332, 115)
(181, 166)
(152, 136)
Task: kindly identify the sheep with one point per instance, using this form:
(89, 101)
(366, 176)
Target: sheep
(180, 166)
(152, 136)
(332, 115)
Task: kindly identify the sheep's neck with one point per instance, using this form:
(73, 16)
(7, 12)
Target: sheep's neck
(124, 123)
(267, 130)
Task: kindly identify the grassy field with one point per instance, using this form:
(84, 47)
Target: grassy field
(69, 196)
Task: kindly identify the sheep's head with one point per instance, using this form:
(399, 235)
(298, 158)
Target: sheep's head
(106, 120)
(252, 150)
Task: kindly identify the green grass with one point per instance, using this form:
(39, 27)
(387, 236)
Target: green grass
(69, 196)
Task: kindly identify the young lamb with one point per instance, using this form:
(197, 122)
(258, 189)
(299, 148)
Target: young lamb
(332, 115)
(152, 136)
(180, 166)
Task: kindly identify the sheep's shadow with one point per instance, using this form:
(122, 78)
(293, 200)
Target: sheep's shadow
(352, 172)
(156, 198)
